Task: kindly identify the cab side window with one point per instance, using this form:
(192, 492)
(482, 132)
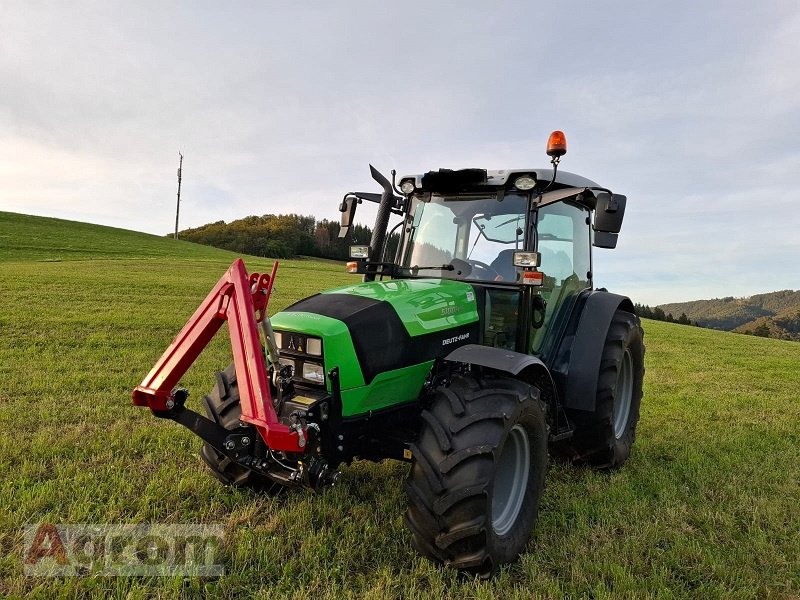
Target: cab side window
(563, 241)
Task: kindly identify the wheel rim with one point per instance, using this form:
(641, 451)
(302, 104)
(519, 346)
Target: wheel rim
(511, 480)
(623, 394)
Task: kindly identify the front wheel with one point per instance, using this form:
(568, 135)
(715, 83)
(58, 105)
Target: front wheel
(223, 407)
(477, 473)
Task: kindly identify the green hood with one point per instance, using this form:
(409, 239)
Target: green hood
(384, 335)
(423, 305)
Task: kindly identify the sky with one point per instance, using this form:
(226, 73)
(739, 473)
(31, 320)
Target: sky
(690, 109)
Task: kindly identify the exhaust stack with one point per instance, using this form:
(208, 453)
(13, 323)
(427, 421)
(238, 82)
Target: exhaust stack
(381, 224)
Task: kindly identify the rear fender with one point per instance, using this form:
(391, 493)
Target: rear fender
(585, 349)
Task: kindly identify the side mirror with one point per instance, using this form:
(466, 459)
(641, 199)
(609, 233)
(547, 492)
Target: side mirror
(604, 239)
(609, 212)
(348, 210)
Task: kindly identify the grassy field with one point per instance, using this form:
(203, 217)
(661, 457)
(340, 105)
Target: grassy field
(707, 507)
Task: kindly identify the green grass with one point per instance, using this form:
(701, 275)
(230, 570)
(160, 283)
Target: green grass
(29, 238)
(707, 507)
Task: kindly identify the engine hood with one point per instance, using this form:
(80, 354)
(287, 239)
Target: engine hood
(392, 324)
(423, 305)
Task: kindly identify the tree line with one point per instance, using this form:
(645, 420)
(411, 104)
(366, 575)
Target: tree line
(658, 314)
(283, 236)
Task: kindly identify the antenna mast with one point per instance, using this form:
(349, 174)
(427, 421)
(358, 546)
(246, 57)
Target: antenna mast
(178, 208)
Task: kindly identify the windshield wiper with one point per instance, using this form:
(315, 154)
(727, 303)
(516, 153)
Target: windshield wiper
(517, 218)
(416, 268)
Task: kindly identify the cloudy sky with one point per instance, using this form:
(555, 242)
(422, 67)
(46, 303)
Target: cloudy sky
(691, 109)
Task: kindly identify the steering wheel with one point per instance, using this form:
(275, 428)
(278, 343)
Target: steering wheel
(484, 271)
(474, 269)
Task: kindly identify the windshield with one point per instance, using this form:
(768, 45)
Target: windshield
(465, 237)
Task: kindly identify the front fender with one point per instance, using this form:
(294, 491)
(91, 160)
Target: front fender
(523, 366)
(493, 358)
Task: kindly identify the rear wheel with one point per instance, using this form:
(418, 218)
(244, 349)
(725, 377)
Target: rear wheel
(477, 473)
(604, 438)
(222, 407)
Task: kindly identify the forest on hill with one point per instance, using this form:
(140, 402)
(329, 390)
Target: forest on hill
(279, 236)
(774, 314)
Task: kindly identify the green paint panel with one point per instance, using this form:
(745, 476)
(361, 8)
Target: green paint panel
(387, 389)
(423, 305)
(337, 347)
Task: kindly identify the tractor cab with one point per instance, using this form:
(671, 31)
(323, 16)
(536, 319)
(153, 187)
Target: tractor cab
(523, 238)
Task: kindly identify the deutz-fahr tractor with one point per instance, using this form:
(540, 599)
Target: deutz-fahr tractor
(474, 349)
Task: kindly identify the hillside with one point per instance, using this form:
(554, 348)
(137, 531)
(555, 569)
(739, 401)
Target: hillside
(771, 315)
(705, 508)
(27, 237)
(98, 252)
(783, 326)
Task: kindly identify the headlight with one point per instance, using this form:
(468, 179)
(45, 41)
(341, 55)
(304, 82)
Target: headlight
(313, 373)
(524, 182)
(527, 259)
(359, 251)
(287, 362)
(314, 346)
(407, 186)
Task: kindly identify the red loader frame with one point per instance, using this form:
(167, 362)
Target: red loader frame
(242, 301)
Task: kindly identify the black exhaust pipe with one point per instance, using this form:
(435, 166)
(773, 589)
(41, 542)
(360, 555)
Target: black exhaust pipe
(381, 224)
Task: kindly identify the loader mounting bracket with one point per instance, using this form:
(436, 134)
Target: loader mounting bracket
(228, 443)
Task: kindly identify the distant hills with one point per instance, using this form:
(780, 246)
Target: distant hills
(775, 315)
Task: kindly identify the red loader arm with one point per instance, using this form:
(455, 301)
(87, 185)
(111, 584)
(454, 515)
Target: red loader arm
(242, 301)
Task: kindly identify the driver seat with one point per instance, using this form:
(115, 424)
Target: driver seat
(504, 265)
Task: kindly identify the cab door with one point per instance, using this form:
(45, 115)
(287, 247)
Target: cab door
(563, 239)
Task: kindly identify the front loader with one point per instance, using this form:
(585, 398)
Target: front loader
(473, 352)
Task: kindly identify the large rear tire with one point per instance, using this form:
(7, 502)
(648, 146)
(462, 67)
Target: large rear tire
(222, 406)
(477, 473)
(604, 438)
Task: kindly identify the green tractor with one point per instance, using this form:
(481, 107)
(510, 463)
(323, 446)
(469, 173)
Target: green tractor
(474, 351)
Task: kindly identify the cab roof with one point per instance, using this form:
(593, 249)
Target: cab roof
(447, 180)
